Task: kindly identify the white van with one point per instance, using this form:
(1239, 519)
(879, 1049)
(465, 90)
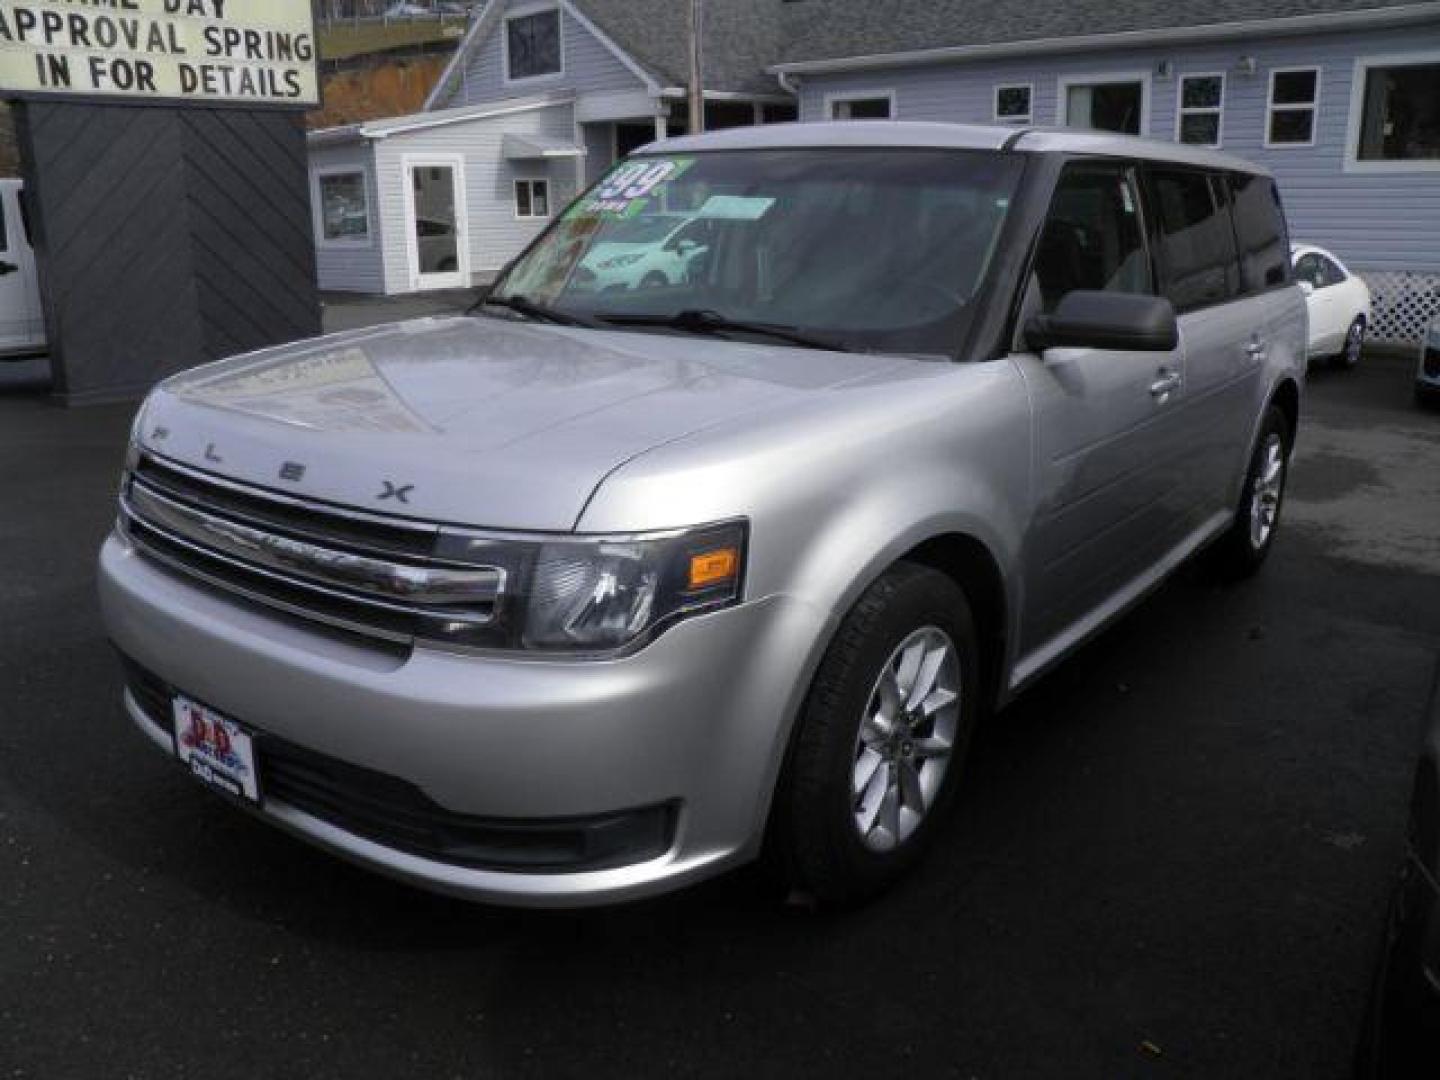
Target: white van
(22, 322)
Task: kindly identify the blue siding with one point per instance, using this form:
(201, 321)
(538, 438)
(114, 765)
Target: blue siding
(358, 267)
(590, 67)
(1374, 222)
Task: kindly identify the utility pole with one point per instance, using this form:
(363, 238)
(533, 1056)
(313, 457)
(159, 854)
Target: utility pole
(697, 86)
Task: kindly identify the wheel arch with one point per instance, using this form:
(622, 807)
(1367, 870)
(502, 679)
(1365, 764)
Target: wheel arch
(968, 562)
(1286, 398)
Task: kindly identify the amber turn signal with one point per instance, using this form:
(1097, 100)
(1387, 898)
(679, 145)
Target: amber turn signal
(711, 568)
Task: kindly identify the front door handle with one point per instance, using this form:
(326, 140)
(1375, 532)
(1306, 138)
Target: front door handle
(1255, 350)
(1165, 385)
(7, 268)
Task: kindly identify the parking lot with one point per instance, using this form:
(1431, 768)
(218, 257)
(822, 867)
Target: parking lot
(1172, 857)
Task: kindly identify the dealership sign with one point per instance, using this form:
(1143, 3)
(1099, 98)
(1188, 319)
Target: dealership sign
(237, 52)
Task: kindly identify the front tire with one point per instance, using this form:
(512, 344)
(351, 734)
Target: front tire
(882, 738)
(1243, 549)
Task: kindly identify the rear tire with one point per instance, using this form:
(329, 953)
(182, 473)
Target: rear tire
(881, 741)
(1349, 354)
(1427, 396)
(1244, 547)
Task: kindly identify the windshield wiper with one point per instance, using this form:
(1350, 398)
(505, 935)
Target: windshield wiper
(541, 312)
(712, 322)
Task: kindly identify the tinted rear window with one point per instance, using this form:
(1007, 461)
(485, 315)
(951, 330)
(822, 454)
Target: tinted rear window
(1197, 243)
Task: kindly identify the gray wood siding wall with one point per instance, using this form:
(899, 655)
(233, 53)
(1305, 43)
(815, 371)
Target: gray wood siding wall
(352, 267)
(495, 234)
(589, 68)
(166, 237)
(1373, 221)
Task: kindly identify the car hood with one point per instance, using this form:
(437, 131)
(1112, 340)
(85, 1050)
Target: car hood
(477, 421)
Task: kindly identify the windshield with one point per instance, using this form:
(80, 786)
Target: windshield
(871, 249)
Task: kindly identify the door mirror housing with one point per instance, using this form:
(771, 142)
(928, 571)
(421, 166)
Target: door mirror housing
(1126, 322)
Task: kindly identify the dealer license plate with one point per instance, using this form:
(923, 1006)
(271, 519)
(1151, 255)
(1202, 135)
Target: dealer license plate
(218, 751)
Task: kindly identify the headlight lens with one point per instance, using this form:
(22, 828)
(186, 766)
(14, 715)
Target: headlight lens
(605, 594)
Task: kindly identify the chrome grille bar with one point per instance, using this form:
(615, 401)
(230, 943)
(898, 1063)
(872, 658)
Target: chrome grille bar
(274, 551)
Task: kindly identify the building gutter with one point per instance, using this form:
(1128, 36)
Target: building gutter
(1367, 19)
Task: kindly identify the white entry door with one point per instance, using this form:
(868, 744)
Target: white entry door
(438, 239)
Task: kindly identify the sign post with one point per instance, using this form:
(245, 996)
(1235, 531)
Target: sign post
(166, 176)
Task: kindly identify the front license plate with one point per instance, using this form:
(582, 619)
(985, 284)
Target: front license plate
(218, 751)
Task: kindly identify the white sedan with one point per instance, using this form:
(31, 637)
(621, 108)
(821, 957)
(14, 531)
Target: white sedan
(1339, 304)
(648, 252)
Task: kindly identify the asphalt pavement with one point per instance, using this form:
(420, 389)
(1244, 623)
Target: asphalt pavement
(1171, 859)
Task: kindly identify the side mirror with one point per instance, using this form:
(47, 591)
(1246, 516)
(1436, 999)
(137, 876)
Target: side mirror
(687, 247)
(1308, 288)
(1126, 322)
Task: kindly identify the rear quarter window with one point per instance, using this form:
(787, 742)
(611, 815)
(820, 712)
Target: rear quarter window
(1260, 232)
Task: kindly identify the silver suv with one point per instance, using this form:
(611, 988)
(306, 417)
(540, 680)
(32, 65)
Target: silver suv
(597, 592)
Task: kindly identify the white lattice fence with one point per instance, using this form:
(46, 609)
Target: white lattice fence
(1404, 303)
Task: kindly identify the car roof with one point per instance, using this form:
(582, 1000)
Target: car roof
(910, 134)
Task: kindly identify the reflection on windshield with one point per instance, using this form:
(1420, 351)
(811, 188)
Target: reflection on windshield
(878, 249)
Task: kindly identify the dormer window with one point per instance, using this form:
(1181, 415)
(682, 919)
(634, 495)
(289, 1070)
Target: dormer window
(532, 44)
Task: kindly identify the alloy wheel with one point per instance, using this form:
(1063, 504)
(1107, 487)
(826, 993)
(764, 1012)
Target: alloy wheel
(906, 739)
(1269, 486)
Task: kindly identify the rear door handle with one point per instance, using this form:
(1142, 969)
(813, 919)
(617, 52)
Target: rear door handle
(7, 268)
(1165, 385)
(1256, 350)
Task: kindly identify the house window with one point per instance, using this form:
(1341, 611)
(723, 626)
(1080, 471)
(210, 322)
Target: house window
(1202, 99)
(1294, 93)
(532, 45)
(873, 107)
(1106, 104)
(343, 206)
(532, 198)
(1012, 104)
(1400, 112)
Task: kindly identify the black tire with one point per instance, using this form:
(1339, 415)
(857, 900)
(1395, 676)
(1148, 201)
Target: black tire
(1349, 354)
(815, 841)
(1427, 396)
(1238, 554)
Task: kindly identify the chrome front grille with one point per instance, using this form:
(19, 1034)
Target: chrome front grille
(357, 572)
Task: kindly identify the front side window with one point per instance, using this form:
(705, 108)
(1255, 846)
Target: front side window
(866, 108)
(1197, 244)
(1293, 97)
(1093, 237)
(1012, 104)
(532, 45)
(1317, 271)
(532, 198)
(1400, 114)
(1260, 231)
(1202, 100)
(344, 208)
(876, 250)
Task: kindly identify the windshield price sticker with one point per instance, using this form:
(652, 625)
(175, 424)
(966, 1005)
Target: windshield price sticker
(628, 190)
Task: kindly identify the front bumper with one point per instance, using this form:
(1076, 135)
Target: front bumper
(695, 723)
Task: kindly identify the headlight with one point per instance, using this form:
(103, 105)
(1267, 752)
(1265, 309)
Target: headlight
(601, 594)
(620, 261)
